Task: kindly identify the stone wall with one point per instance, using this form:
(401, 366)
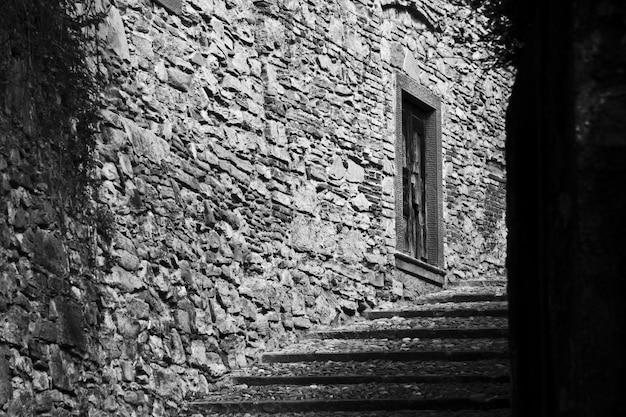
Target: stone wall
(247, 155)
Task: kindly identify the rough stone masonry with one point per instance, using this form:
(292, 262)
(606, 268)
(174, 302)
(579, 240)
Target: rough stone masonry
(248, 156)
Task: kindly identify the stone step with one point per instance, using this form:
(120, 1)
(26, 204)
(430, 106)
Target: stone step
(477, 283)
(436, 333)
(407, 349)
(385, 345)
(456, 294)
(488, 368)
(355, 397)
(389, 356)
(365, 379)
(401, 323)
(502, 412)
(460, 309)
(455, 297)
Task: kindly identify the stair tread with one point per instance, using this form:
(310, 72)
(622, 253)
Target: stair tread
(311, 346)
(440, 304)
(397, 323)
(478, 392)
(380, 413)
(490, 367)
(453, 295)
(474, 284)
(402, 333)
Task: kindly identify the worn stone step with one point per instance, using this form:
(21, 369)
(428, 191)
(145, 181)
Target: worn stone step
(389, 356)
(359, 397)
(502, 412)
(489, 283)
(448, 345)
(463, 297)
(489, 368)
(460, 309)
(455, 294)
(277, 406)
(315, 350)
(387, 323)
(364, 379)
(436, 333)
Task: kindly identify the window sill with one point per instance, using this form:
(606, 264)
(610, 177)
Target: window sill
(420, 269)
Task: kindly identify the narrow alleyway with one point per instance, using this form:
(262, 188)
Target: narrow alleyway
(445, 355)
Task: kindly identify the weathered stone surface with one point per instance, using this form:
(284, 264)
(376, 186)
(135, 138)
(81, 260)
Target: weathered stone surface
(124, 279)
(301, 323)
(49, 252)
(337, 170)
(62, 370)
(146, 143)
(249, 167)
(6, 389)
(70, 322)
(116, 34)
(175, 348)
(179, 79)
(174, 6)
(360, 202)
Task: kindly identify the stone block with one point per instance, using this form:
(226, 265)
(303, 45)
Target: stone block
(173, 6)
(360, 202)
(216, 365)
(337, 170)
(138, 308)
(128, 371)
(179, 79)
(6, 389)
(49, 252)
(14, 326)
(41, 381)
(147, 143)
(121, 278)
(181, 317)
(62, 370)
(297, 304)
(397, 54)
(70, 321)
(301, 323)
(354, 173)
(115, 34)
(127, 260)
(175, 348)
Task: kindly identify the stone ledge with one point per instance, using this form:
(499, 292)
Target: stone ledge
(420, 269)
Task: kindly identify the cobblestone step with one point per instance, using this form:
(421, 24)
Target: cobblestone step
(457, 333)
(378, 413)
(478, 283)
(409, 345)
(393, 323)
(356, 397)
(461, 309)
(407, 349)
(364, 379)
(387, 355)
(493, 368)
(456, 294)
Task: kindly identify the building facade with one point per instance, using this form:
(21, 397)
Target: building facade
(269, 165)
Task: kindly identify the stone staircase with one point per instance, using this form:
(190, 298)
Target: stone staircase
(445, 355)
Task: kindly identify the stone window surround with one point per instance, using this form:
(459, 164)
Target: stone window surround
(432, 271)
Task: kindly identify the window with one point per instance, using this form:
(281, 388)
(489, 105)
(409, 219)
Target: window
(418, 183)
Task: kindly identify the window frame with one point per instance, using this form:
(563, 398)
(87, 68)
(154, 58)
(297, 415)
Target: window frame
(409, 89)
